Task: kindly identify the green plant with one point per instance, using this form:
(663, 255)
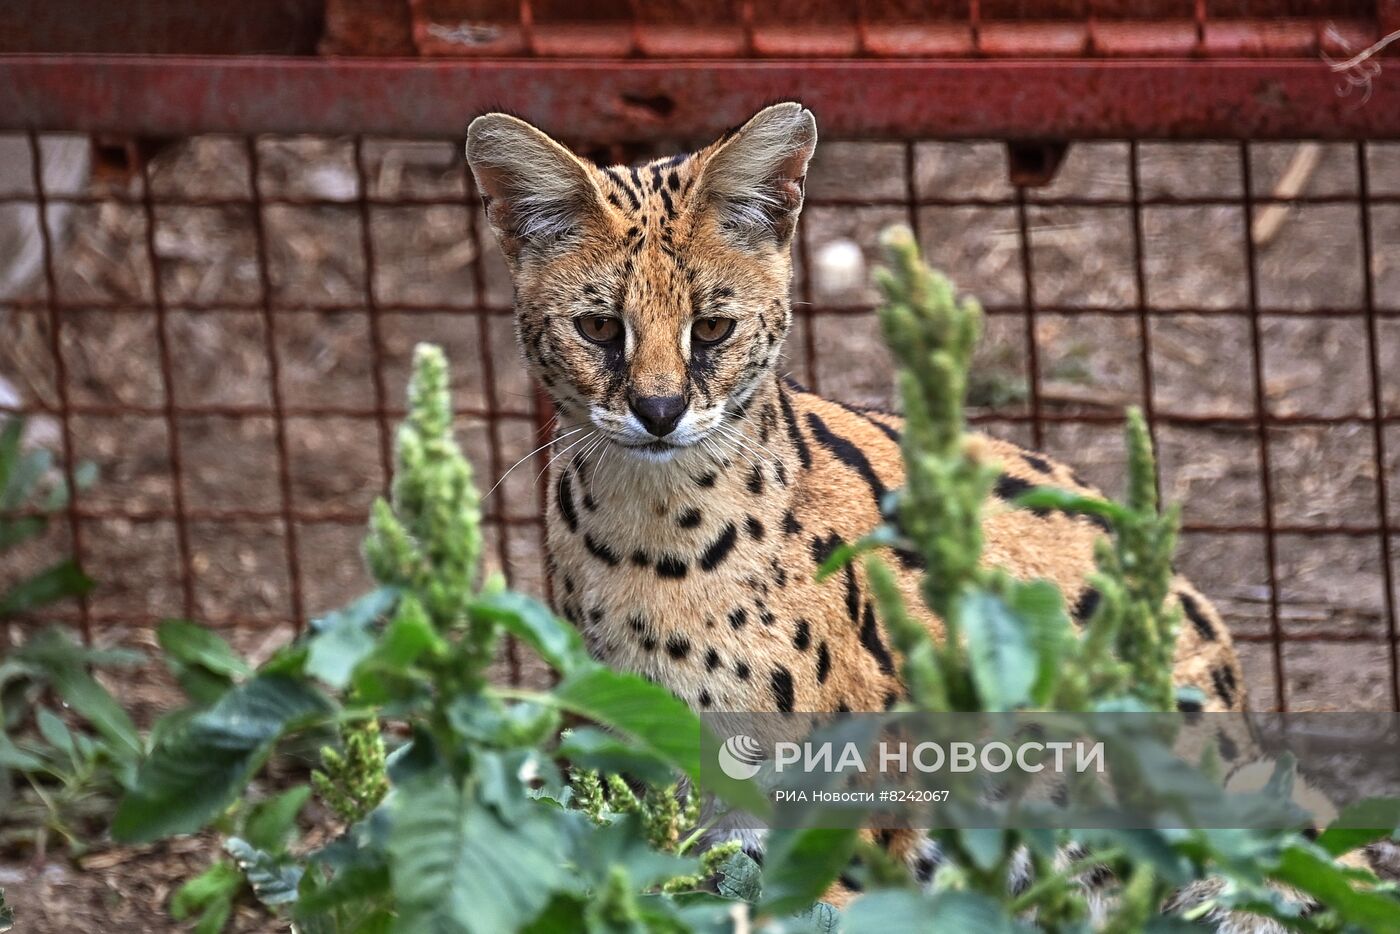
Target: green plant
(28, 482)
(474, 831)
(68, 765)
(258, 839)
(1010, 646)
(470, 824)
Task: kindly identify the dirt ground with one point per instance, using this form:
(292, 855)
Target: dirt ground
(425, 256)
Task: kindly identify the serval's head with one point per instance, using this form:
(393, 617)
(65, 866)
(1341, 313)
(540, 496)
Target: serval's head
(651, 300)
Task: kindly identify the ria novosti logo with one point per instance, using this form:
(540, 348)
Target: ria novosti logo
(740, 757)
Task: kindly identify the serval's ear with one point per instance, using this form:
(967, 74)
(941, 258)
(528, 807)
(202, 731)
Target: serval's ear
(753, 179)
(536, 192)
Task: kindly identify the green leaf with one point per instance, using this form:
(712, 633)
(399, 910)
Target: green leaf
(1361, 823)
(7, 917)
(606, 752)
(274, 881)
(740, 878)
(12, 757)
(204, 764)
(271, 824)
(63, 662)
(597, 852)
(193, 644)
(1042, 607)
(10, 436)
(884, 536)
(204, 664)
(50, 585)
(457, 866)
(15, 531)
(1045, 497)
(1329, 884)
(985, 845)
(55, 732)
(220, 882)
(409, 636)
(529, 620)
(798, 865)
(342, 639)
(215, 916)
(1001, 650)
(654, 718)
(890, 911)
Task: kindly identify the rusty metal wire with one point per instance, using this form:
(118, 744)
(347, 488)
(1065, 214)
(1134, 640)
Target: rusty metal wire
(508, 530)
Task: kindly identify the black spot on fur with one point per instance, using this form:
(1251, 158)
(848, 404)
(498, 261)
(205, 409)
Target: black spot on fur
(568, 584)
(1009, 487)
(738, 617)
(636, 624)
(706, 480)
(852, 595)
(1228, 750)
(802, 638)
(678, 647)
(870, 639)
(891, 698)
(589, 503)
(754, 528)
(670, 566)
(712, 660)
(688, 519)
(790, 524)
(823, 663)
(1224, 680)
(755, 483)
(765, 615)
(742, 670)
(705, 699)
(1197, 617)
(843, 707)
(782, 689)
(1037, 462)
(804, 455)
(719, 549)
(1188, 706)
(595, 616)
(924, 868)
(566, 503)
(640, 559)
(909, 560)
(1085, 606)
(848, 454)
(823, 548)
(600, 551)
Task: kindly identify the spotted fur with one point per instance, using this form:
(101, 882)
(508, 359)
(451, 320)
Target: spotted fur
(693, 560)
(689, 556)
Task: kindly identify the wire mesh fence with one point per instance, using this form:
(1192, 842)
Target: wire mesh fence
(225, 330)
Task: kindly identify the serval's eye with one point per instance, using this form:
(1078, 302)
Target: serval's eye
(712, 330)
(600, 329)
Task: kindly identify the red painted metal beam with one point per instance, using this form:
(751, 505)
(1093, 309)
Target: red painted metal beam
(613, 100)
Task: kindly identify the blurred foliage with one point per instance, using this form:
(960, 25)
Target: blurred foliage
(455, 814)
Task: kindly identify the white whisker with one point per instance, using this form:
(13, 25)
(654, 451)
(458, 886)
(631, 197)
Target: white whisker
(561, 454)
(522, 460)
